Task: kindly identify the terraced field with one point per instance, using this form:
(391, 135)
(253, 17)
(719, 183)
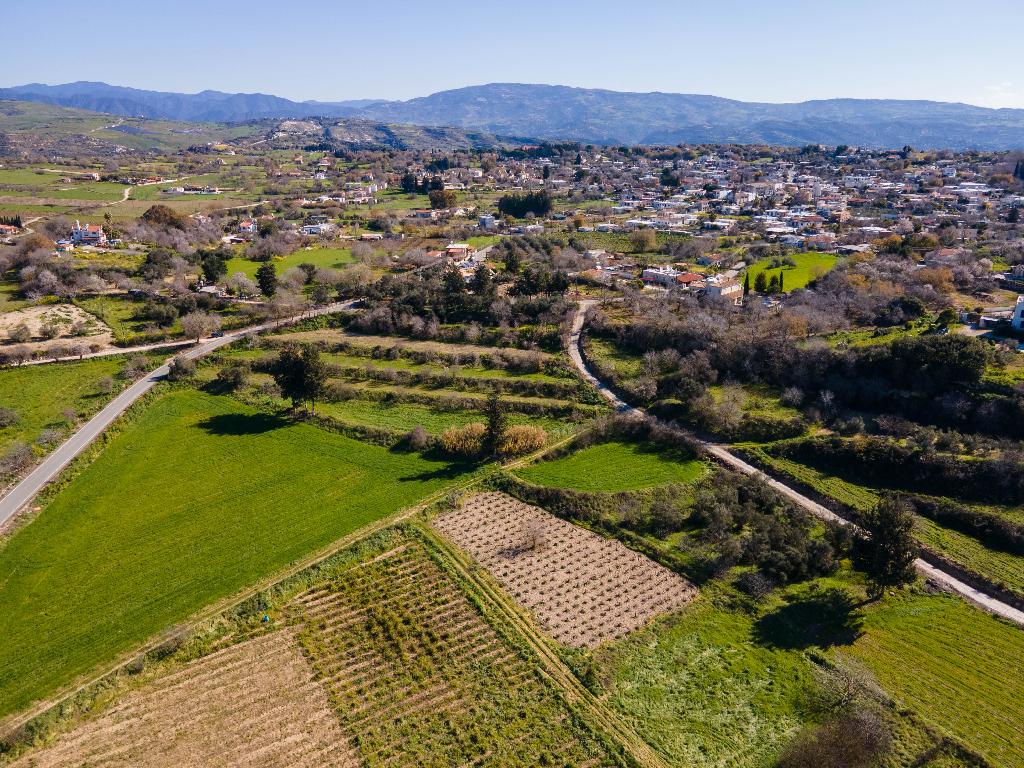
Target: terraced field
(421, 679)
(252, 704)
(613, 466)
(583, 589)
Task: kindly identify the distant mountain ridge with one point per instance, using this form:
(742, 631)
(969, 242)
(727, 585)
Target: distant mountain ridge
(556, 112)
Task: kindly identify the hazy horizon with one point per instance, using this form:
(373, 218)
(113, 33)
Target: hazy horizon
(789, 52)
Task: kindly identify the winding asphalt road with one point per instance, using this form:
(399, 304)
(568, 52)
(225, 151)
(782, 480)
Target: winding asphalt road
(945, 580)
(51, 466)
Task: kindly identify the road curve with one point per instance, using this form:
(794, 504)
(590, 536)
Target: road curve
(945, 580)
(52, 465)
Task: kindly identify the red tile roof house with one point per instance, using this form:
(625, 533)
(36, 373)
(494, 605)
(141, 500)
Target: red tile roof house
(90, 234)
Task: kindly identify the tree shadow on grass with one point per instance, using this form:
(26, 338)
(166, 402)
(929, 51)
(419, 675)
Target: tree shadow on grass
(238, 424)
(449, 471)
(823, 618)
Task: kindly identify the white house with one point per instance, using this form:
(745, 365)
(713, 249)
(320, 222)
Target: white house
(90, 234)
(1018, 314)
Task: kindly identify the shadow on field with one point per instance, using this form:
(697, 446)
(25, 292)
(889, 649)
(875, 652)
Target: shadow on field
(823, 618)
(448, 471)
(243, 423)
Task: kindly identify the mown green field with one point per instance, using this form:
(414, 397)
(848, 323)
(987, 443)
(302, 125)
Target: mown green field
(808, 266)
(957, 667)
(318, 257)
(40, 394)
(613, 466)
(197, 497)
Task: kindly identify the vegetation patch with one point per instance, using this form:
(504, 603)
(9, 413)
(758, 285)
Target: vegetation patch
(615, 466)
(221, 495)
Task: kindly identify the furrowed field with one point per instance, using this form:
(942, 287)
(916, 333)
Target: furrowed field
(198, 496)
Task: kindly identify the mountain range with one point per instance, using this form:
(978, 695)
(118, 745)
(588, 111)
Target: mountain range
(553, 112)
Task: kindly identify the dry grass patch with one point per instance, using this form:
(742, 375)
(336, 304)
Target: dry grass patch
(62, 318)
(255, 703)
(583, 589)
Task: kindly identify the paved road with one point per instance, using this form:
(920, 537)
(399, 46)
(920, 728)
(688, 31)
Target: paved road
(721, 453)
(51, 466)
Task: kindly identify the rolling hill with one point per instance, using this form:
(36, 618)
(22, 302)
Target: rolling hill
(588, 115)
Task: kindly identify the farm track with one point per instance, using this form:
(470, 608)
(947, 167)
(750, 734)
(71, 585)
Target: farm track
(722, 455)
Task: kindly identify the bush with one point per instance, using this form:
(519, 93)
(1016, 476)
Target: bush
(234, 375)
(8, 417)
(181, 368)
(855, 739)
(521, 439)
(417, 439)
(466, 442)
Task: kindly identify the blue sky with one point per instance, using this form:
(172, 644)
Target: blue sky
(754, 50)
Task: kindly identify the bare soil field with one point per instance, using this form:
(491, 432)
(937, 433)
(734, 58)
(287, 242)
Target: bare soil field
(583, 589)
(420, 678)
(61, 317)
(252, 704)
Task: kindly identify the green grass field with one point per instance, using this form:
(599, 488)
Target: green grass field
(193, 500)
(716, 685)
(808, 266)
(319, 257)
(611, 467)
(402, 417)
(957, 667)
(40, 394)
(700, 690)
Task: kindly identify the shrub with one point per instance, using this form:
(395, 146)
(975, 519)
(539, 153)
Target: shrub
(417, 439)
(521, 439)
(855, 739)
(466, 442)
(8, 417)
(181, 368)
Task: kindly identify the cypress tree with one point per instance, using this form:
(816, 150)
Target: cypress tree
(746, 284)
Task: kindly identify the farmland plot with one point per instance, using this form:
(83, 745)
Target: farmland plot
(420, 678)
(583, 589)
(255, 703)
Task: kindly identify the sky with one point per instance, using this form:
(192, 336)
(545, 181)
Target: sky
(752, 50)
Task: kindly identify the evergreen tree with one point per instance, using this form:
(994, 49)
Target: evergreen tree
(1018, 170)
(887, 550)
(746, 284)
(761, 283)
(266, 279)
(773, 284)
(782, 282)
(300, 373)
(497, 423)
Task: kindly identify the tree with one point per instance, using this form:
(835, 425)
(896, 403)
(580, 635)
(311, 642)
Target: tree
(519, 205)
(886, 551)
(266, 279)
(300, 374)
(443, 198)
(198, 324)
(761, 283)
(1018, 170)
(497, 424)
(214, 266)
(947, 317)
(410, 183)
(746, 284)
(165, 217)
(643, 240)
